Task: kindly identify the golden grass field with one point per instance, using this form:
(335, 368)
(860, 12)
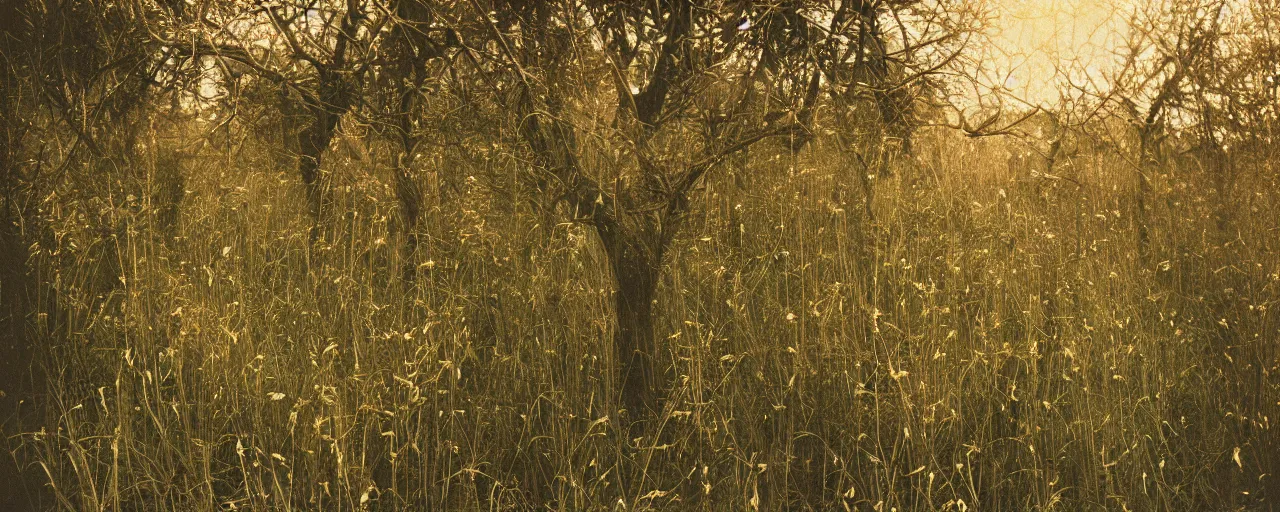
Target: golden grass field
(654, 255)
(982, 337)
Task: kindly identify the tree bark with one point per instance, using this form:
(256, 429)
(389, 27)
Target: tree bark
(636, 261)
(334, 95)
(408, 192)
(412, 49)
(410, 197)
(1146, 163)
(15, 348)
(312, 144)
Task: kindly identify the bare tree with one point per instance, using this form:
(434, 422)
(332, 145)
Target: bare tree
(1167, 47)
(318, 53)
(885, 68)
(625, 108)
(417, 41)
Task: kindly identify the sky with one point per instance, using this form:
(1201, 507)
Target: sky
(1032, 36)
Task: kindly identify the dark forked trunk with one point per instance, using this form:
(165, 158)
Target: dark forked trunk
(408, 192)
(410, 197)
(636, 262)
(412, 49)
(333, 98)
(312, 143)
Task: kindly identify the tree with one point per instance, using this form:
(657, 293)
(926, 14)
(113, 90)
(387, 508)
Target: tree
(413, 59)
(318, 54)
(625, 108)
(14, 285)
(1167, 48)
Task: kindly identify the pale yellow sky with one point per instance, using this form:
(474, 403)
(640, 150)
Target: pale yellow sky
(1034, 36)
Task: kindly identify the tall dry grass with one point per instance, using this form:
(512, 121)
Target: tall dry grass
(985, 339)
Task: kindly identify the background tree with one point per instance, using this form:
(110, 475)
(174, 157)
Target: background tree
(418, 61)
(318, 54)
(882, 66)
(1169, 46)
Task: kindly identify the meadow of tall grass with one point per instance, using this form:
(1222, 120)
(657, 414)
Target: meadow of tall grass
(980, 336)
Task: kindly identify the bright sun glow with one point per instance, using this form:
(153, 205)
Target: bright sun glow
(1037, 41)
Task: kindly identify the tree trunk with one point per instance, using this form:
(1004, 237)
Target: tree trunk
(16, 349)
(410, 197)
(407, 190)
(14, 284)
(636, 263)
(1222, 173)
(1146, 163)
(311, 146)
(335, 100)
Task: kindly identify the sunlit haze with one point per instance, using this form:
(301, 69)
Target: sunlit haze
(1037, 41)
